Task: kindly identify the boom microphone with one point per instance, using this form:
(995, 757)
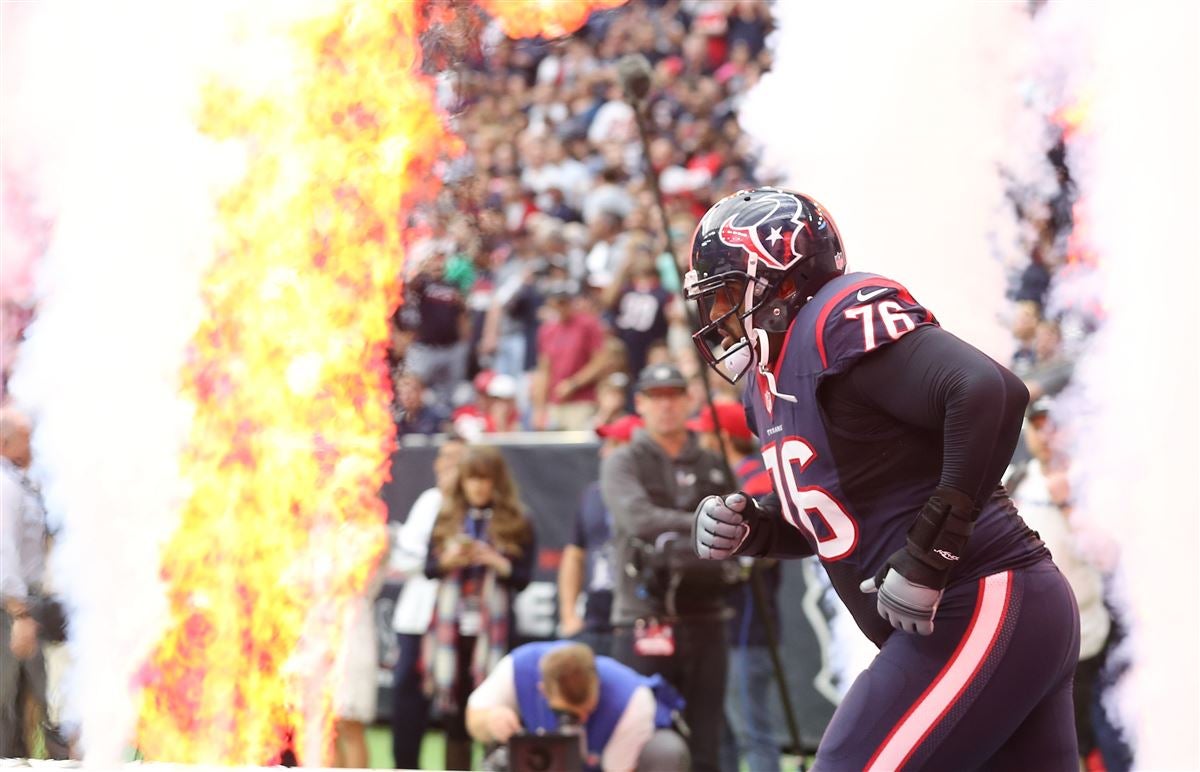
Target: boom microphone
(633, 71)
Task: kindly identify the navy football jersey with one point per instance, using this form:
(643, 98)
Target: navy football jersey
(854, 497)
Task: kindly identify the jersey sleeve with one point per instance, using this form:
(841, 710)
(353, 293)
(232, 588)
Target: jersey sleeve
(863, 317)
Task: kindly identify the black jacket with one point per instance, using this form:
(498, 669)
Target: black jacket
(649, 494)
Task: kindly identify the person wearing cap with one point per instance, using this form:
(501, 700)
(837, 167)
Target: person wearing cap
(502, 412)
(651, 486)
(613, 398)
(749, 722)
(588, 558)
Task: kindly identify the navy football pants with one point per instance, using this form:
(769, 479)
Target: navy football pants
(989, 689)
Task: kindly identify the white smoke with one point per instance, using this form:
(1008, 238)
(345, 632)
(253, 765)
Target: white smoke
(107, 105)
(1134, 410)
(896, 117)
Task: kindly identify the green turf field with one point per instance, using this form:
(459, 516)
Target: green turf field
(433, 749)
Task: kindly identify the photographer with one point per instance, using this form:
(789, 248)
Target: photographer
(624, 717)
(668, 609)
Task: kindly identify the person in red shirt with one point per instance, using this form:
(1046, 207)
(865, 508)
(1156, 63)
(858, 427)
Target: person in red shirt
(572, 357)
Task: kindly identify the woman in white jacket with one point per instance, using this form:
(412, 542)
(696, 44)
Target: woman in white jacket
(414, 607)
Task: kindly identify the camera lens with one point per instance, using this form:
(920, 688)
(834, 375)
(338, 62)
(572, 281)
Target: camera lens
(539, 759)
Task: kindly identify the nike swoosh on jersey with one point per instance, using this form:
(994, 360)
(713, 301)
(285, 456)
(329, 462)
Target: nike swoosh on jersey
(864, 298)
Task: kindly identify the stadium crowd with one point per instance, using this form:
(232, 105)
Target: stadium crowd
(542, 286)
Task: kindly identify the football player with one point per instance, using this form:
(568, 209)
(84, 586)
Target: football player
(886, 437)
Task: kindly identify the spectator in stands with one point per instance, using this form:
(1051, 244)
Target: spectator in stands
(435, 310)
(414, 607)
(551, 140)
(494, 408)
(749, 723)
(651, 486)
(483, 550)
(612, 398)
(571, 358)
(587, 559)
(502, 412)
(471, 420)
(604, 258)
(1027, 316)
(413, 415)
(1052, 369)
(639, 306)
(625, 719)
(512, 317)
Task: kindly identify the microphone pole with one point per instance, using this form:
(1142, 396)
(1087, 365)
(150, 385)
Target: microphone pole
(634, 74)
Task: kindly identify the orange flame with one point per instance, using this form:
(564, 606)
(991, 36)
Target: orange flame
(1073, 118)
(549, 18)
(292, 437)
(292, 434)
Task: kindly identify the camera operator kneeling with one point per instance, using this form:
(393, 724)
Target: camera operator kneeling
(624, 719)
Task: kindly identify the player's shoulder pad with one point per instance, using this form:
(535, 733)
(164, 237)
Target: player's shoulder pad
(864, 315)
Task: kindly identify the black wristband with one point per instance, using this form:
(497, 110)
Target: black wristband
(939, 535)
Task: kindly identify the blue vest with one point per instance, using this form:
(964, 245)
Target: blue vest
(617, 685)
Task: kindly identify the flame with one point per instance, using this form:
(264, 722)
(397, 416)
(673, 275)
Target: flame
(292, 436)
(548, 18)
(1073, 118)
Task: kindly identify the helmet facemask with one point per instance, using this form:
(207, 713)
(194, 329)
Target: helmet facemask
(740, 298)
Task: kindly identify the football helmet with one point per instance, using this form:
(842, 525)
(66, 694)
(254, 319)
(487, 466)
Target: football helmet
(745, 250)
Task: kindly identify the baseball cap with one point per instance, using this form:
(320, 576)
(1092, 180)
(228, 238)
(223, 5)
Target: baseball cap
(731, 417)
(616, 380)
(1041, 406)
(661, 376)
(502, 386)
(620, 429)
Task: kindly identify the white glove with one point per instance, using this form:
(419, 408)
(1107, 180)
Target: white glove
(720, 528)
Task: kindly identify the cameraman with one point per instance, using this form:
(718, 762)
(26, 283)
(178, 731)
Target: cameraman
(624, 717)
(668, 611)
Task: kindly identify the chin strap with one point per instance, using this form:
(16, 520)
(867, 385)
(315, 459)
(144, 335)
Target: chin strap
(764, 355)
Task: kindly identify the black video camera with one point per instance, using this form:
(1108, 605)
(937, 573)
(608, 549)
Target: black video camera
(560, 751)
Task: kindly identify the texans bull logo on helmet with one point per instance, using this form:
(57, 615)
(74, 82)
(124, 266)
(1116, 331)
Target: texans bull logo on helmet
(767, 229)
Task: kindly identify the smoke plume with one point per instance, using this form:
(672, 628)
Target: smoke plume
(104, 112)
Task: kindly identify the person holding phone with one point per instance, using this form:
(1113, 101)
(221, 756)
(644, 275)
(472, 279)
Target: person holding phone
(483, 550)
